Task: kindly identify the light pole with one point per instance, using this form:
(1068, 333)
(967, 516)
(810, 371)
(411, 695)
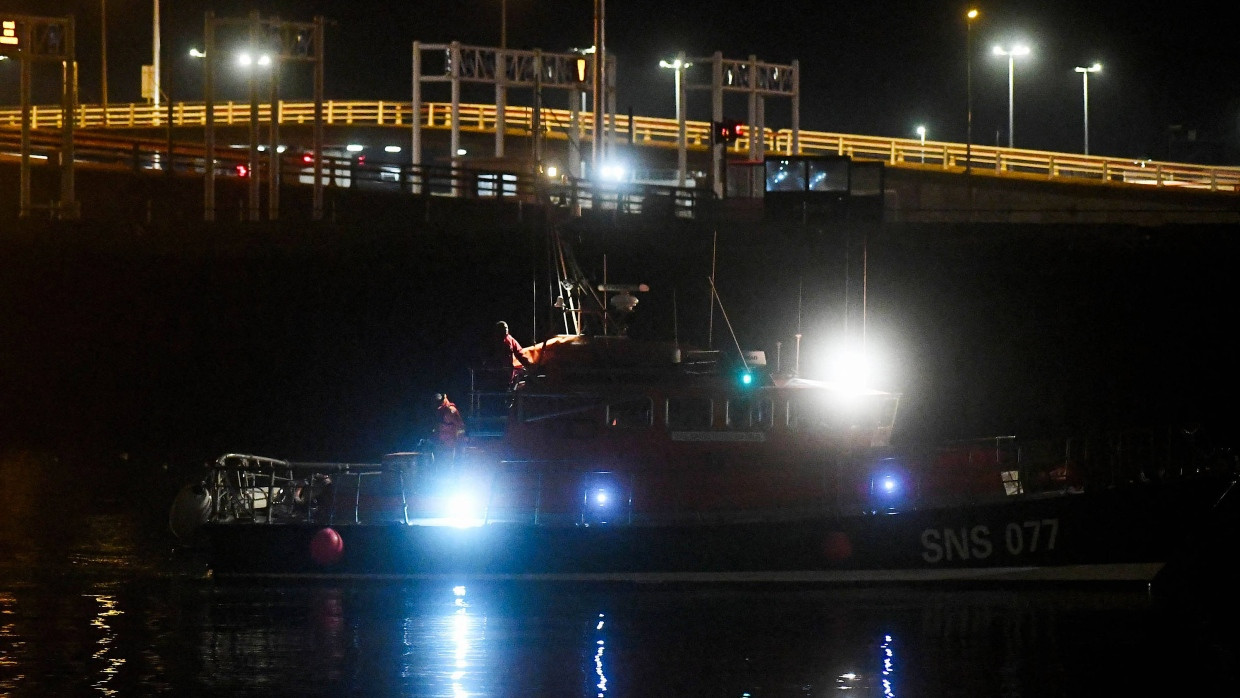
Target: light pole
(1085, 94)
(155, 53)
(1019, 50)
(968, 87)
(247, 62)
(679, 64)
(103, 57)
(599, 87)
(503, 23)
(921, 133)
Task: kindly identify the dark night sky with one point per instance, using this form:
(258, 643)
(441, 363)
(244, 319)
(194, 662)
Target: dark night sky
(867, 68)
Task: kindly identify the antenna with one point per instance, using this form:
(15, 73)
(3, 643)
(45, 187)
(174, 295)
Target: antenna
(675, 320)
(847, 280)
(796, 367)
(796, 371)
(710, 326)
(800, 300)
(715, 295)
(865, 283)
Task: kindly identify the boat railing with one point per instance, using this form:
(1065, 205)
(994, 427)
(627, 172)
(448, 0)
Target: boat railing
(489, 398)
(257, 489)
(476, 488)
(1007, 466)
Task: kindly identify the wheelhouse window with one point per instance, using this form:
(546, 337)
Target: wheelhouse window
(689, 413)
(563, 416)
(827, 411)
(809, 413)
(540, 408)
(632, 413)
(750, 413)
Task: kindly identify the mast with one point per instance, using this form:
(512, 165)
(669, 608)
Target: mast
(710, 325)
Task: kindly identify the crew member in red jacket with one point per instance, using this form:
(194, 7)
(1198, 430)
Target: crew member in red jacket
(449, 427)
(505, 352)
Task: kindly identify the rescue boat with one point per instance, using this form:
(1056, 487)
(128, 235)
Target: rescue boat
(625, 459)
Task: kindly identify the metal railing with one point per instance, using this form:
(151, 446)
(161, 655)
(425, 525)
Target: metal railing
(110, 152)
(660, 132)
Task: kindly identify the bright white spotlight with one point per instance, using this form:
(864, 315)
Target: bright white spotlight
(854, 367)
(613, 172)
(463, 510)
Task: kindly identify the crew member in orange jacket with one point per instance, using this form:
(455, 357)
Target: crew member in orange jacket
(449, 427)
(505, 352)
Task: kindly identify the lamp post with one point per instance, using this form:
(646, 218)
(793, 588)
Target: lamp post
(155, 54)
(1019, 50)
(921, 133)
(968, 88)
(503, 23)
(103, 57)
(679, 64)
(247, 62)
(1085, 94)
(599, 87)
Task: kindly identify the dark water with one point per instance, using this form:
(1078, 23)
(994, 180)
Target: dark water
(95, 599)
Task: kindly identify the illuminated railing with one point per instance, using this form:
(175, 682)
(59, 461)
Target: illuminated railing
(660, 132)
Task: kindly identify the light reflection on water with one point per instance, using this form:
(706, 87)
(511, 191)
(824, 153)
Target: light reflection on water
(105, 657)
(94, 602)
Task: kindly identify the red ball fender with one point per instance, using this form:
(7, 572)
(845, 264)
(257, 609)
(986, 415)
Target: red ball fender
(837, 547)
(326, 547)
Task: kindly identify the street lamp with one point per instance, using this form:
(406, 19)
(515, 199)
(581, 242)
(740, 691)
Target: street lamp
(251, 64)
(156, 84)
(679, 64)
(921, 133)
(1019, 50)
(1085, 94)
(103, 57)
(968, 73)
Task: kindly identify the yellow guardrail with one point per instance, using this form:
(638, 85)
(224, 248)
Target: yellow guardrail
(659, 132)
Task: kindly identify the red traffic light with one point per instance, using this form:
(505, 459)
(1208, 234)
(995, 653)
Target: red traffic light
(307, 158)
(242, 171)
(725, 131)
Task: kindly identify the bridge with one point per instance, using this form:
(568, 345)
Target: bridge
(924, 180)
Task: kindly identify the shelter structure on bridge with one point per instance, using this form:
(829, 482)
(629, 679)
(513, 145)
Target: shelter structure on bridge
(285, 42)
(758, 81)
(30, 40)
(535, 70)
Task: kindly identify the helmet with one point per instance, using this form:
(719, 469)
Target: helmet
(440, 397)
